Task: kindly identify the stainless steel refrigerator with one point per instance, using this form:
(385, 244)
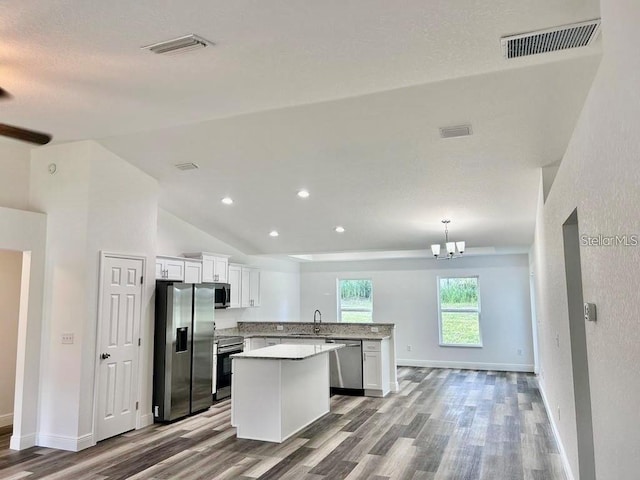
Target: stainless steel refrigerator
(183, 349)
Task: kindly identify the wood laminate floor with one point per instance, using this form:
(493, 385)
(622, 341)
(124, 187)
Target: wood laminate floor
(443, 424)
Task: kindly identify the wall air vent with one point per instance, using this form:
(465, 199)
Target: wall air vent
(455, 131)
(551, 40)
(178, 45)
(187, 166)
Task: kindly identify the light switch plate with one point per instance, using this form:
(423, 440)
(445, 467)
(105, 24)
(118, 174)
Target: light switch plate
(590, 312)
(67, 338)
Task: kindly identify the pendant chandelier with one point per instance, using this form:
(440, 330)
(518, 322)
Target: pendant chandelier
(452, 249)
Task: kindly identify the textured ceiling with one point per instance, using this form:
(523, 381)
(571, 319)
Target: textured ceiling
(343, 98)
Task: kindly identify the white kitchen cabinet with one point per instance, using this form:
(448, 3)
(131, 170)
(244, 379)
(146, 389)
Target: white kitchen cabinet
(235, 280)
(261, 342)
(250, 287)
(214, 266)
(303, 341)
(170, 268)
(258, 342)
(192, 271)
(254, 287)
(375, 367)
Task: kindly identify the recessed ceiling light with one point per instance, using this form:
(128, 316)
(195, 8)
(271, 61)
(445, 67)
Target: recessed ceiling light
(303, 194)
(340, 229)
(273, 233)
(227, 200)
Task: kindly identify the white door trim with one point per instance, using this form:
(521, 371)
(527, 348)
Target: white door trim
(96, 375)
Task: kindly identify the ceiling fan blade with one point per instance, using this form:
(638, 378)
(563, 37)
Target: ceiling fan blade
(24, 135)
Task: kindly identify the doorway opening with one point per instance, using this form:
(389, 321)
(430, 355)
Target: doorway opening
(14, 288)
(579, 357)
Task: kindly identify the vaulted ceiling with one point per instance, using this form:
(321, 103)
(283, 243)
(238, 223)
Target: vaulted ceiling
(341, 98)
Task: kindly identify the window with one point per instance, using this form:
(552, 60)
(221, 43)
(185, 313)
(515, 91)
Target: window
(355, 301)
(459, 311)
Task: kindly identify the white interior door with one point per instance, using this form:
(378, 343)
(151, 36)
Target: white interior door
(119, 326)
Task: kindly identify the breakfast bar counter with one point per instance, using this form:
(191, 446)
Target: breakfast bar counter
(279, 390)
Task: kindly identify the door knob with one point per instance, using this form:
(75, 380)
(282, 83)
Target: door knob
(104, 356)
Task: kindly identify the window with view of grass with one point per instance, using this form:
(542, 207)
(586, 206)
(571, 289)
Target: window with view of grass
(459, 311)
(355, 301)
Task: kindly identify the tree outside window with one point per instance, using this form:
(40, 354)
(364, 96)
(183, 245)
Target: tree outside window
(355, 301)
(459, 311)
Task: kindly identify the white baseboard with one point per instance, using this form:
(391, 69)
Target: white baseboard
(503, 367)
(61, 442)
(556, 434)
(394, 387)
(6, 420)
(145, 420)
(23, 442)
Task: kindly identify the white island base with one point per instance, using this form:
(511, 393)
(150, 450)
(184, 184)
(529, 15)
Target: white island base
(279, 390)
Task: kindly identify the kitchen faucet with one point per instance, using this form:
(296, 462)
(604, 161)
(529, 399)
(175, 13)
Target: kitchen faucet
(316, 327)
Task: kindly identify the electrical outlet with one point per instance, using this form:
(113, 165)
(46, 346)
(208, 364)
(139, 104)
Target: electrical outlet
(520, 352)
(558, 340)
(374, 329)
(67, 338)
(279, 328)
(408, 348)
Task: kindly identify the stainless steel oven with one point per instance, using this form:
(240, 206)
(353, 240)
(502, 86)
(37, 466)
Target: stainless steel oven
(227, 346)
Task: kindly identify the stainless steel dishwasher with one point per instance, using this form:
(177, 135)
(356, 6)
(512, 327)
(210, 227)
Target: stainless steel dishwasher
(346, 367)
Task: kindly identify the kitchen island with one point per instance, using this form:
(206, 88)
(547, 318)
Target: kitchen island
(279, 390)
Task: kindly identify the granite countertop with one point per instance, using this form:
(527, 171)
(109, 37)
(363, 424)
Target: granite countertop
(283, 334)
(288, 351)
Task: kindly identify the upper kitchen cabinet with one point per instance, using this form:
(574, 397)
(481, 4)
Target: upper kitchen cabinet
(170, 268)
(215, 267)
(235, 280)
(192, 271)
(250, 287)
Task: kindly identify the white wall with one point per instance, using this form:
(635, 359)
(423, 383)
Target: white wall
(15, 158)
(10, 281)
(600, 175)
(279, 278)
(405, 293)
(95, 201)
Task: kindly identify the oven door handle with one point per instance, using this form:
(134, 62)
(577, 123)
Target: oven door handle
(233, 349)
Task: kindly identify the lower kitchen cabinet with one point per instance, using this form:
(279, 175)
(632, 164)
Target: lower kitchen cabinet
(375, 367)
(303, 341)
(258, 342)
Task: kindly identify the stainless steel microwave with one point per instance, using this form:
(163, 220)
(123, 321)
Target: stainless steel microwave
(222, 295)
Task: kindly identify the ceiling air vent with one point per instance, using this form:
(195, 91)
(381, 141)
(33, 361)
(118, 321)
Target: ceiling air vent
(456, 131)
(178, 45)
(187, 166)
(551, 40)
